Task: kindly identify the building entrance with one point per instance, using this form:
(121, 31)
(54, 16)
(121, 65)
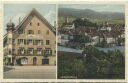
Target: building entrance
(34, 61)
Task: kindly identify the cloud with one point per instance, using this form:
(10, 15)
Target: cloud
(96, 7)
(50, 17)
(15, 19)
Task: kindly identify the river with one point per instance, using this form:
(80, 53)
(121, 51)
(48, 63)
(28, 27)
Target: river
(120, 48)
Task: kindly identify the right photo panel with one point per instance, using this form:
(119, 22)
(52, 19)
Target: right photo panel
(91, 41)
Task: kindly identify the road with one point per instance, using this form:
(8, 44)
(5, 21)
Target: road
(30, 72)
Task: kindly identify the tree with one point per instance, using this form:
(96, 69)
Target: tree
(84, 22)
(78, 68)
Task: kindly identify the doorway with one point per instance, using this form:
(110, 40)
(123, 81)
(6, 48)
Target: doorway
(34, 61)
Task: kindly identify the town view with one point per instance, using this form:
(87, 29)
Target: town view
(91, 41)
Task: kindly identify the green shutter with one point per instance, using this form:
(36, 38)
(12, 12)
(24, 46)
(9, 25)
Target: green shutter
(50, 52)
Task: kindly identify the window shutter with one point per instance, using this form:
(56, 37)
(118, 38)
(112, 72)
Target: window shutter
(50, 52)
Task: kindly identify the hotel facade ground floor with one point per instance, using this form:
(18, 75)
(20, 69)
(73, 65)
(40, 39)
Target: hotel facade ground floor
(30, 60)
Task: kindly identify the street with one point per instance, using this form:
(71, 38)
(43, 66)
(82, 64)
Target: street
(30, 72)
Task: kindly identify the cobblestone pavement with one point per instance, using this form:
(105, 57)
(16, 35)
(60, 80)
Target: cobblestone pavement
(30, 72)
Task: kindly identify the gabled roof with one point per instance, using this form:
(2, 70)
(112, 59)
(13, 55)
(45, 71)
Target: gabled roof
(36, 13)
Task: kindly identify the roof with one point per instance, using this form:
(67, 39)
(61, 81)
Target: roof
(66, 49)
(36, 13)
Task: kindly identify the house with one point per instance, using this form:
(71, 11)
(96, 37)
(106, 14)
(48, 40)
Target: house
(63, 39)
(69, 26)
(110, 40)
(95, 40)
(31, 42)
(109, 28)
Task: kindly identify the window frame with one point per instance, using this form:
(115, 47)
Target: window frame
(47, 42)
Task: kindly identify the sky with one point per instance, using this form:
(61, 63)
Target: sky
(96, 7)
(14, 11)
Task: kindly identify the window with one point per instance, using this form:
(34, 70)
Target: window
(30, 50)
(10, 40)
(30, 24)
(39, 31)
(20, 41)
(30, 32)
(13, 41)
(41, 42)
(24, 41)
(45, 61)
(24, 60)
(21, 31)
(13, 51)
(21, 50)
(38, 42)
(39, 50)
(29, 41)
(10, 52)
(47, 42)
(35, 42)
(38, 24)
(47, 33)
(48, 51)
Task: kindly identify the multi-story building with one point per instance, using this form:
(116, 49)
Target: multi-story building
(31, 42)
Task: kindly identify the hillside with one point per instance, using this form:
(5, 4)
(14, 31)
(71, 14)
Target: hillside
(73, 13)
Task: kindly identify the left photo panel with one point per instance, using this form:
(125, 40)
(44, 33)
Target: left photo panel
(29, 41)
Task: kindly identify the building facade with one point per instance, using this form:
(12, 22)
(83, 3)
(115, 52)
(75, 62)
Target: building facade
(31, 42)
